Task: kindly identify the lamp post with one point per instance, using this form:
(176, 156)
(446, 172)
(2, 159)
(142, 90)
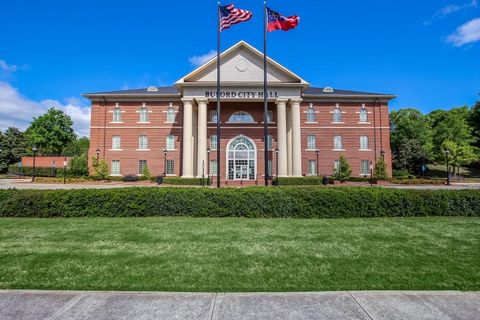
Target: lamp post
(276, 163)
(64, 170)
(97, 152)
(208, 166)
(371, 173)
(34, 149)
(165, 151)
(317, 153)
(447, 153)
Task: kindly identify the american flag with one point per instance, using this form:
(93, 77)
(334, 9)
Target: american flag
(230, 15)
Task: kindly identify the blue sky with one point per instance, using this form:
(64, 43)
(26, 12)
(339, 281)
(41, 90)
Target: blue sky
(427, 52)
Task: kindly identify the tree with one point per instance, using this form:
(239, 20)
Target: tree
(146, 175)
(410, 156)
(343, 172)
(79, 165)
(410, 129)
(13, 147)
(459, 155)
(474, 121)
(452, 126)
(77, 147)
(380, 170)
(100, 169)
(51, 132)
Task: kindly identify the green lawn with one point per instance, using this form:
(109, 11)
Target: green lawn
(235, 254)
(440, 171)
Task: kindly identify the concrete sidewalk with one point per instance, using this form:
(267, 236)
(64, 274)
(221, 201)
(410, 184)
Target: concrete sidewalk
(342, 305)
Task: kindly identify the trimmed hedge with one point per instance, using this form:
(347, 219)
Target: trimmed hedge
(284, 202)
(39, 171)
(184, 181)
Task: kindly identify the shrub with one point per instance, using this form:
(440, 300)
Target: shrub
(402, 174)
(146, 175)
(78, 166)
(28, 171)
(100, 169)
(344, 171)
(183, 181)
(380, 171)
(281, 202)
(130, 178)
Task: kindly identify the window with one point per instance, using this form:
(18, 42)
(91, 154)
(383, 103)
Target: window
(363, 115)
(312, 167)
(336, 165)
(115, 142)
(311, 142)
(171, 114)
(241, 117)
(311, 116)
(365, 167)
(213, 115)
(269, 116)
(170, 169)
(170, 145)
(117, 114)
(142, 164)
(270, 169)
(338, 143)
(363, 142)
(337, 114)
(143, 114)
(213, 142)
(213, 167)
(115, 168)
(270, 142)
(142, 142)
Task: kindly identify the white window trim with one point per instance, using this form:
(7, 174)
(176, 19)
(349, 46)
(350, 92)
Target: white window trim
(171, 149)
(148, 111)
(115, 149)
(366, 122)
(170, 122)
(116, 122)
(362, 175)
(314, 122)
(143, 122)
(116, 175)
(310, 149)
(142, 149)
(338, 150)
(364, 150)
(338, 122)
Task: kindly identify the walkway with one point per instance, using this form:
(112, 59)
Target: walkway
(344, 305)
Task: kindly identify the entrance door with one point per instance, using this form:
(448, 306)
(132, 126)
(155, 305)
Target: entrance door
(241, 161)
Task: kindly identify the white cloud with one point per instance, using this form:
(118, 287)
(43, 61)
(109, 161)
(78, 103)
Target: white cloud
(18, 111)
(7, 68)
(466, 33)
(452, 8)
(199, 60)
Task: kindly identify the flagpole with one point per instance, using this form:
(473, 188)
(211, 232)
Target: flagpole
(218, 96)
(265, 100)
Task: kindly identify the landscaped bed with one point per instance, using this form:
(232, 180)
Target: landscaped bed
(235, 254)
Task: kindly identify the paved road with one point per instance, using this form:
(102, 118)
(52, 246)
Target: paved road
(343, 305)
(27, 184)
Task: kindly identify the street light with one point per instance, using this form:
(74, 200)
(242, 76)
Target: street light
(98, 153)
(447, 153)
(208, 166)
(34, 149)
(165, 151)
(64, 170)
(317, 152)
(276, 163)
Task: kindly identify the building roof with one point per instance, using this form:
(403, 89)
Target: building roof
(332, 92)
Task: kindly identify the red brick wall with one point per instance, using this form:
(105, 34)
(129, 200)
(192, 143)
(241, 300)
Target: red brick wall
(45, 162)
(157, 130)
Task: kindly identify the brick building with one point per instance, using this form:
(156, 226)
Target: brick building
(170, 129)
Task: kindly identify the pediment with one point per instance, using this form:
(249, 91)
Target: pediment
(241, 63)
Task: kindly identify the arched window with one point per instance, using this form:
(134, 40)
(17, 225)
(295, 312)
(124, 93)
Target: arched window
(171, 114)
(311, 116)
(241, 159)
(337, 114)
(117, 114)
(143, 113)
(241, 117)
(363, 115)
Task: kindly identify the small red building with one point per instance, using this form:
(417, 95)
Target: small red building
(170, 129)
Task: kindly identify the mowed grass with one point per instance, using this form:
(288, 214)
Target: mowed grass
(234, 254)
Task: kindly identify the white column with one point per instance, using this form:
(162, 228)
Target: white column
(187, 139)
(296, 139)
(194, 139)
(202, 138)
(282, 136)
(289, 141)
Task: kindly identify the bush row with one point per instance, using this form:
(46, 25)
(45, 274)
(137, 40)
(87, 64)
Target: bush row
(39, 171)
(299, 202)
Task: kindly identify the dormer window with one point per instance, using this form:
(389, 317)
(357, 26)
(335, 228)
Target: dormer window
(241, 117)
(143, 113)
(117, 113)
(363, 115)
(337, 114)
(152, 89)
